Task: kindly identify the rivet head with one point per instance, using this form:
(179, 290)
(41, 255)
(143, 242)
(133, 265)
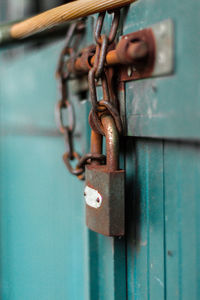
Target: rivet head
(129, 71)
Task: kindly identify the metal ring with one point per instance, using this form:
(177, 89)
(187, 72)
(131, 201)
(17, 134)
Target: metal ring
(114, 26)
(62, 105)
(73, 171)
(113, 29)
(92, 88)
(102, 56)
(99, 26)
(59, 72)
(90, 156)
(95, 120)
(69, 143)
(93, 93)
(114, 113)
(94, 125)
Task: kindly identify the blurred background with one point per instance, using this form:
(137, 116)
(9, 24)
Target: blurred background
(11, 10)
(42, 225)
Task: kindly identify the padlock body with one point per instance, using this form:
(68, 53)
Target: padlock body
(107, 188)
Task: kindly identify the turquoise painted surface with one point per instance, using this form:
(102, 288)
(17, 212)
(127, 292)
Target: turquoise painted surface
(46, 250)
(167, 106)
(162, 175)
(163, 232)
(43, 234)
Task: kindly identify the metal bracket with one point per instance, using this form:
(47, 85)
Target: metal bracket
(160, 59)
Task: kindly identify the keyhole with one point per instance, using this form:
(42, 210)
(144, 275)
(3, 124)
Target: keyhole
(98, 200)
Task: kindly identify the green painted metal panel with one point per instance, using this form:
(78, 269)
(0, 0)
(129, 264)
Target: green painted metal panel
(145, 241)
(163, 220)
(182, 167)
(167, 106)
(43, 233)
(46, 250)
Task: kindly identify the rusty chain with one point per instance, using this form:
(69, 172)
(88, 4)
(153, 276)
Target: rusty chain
(109, 103)
(64, 104)
(69, 50)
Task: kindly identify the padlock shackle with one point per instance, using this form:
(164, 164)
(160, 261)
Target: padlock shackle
(96, 145)
(112, 142)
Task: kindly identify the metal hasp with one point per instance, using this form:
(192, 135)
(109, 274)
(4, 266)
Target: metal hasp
(142, 54)
(159, 60)
(104, 191)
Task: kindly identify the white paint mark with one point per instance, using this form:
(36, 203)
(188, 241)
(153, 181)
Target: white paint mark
(149, 112)
(162, 58)
(92, 197)
(160, 282)
(162, 29)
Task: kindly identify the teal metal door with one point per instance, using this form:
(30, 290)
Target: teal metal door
(43, 233)
(47, 252)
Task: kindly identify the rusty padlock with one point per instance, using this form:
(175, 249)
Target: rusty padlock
(104, 190)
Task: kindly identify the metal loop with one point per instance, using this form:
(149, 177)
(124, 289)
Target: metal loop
(92, 88)
(69, 142)
(74, 171)
(113, 29)
(102, 56)
(104, 83)
(82, 161)
(90, 156)
(114, 113)
(93, 92)
(95, 119)
(66, 49)
(99, 25)
(114, 26)
(95, 122)
(66, 105)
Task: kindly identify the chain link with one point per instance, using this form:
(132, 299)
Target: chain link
(108, 104)
(65, 104)
(69, 50)
(113, 29)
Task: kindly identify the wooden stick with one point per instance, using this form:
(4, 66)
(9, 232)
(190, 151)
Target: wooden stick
(63, 13)
(50, 33)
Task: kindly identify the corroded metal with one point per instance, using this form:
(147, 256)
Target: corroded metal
(109, 104)
(81, 65)
(97, 70)
(109, 218)
(108, 182)
(96, 145)
(142, 54)
(141, 66)
(70, 47)
(136, 50)
(112, 142)
(113, 29)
